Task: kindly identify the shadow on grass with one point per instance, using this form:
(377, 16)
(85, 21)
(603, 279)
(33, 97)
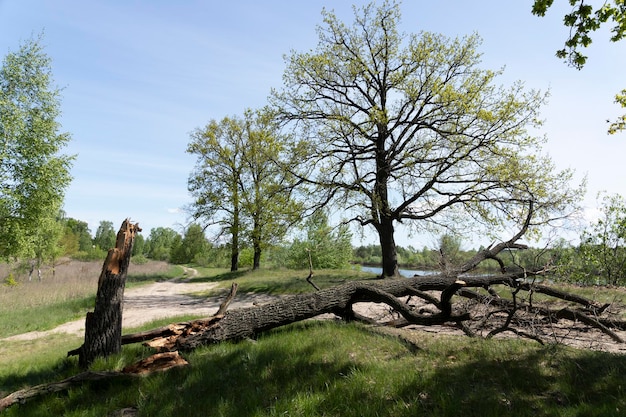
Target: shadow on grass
(315, 368)
(544, 382)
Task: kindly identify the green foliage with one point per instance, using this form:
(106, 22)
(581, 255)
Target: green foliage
(193, 246)
(139, 260)
(94, 253)
(160, 242)
(10, 280)
(105, 236)
(582, 21)
(33, 172)
(325, 247)
(76, 236)
(139, 245)
(449, 251)
(619, 124)
(601, 256)
(431, 140)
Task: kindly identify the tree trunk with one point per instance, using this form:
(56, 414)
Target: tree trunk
(103, 327)
(234, 253)
(384, 225)
(248, 322)
(257, 257)
(234, 256)
(388, 248)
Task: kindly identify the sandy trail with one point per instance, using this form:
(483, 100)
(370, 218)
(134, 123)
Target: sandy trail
(156, 301)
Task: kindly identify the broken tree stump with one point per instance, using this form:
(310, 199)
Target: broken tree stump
(103, 326)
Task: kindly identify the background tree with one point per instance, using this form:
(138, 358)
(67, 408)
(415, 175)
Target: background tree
(265, 187)
(76, 236)
(193, 248)
(46, 243)
(398, 128)
(160, 242)
(449, 251)
(327, 247)
(215, 180)
(584, 19)
(602, 247)
(238, 184)
(33, 172)
(139, 245)
(105, 235)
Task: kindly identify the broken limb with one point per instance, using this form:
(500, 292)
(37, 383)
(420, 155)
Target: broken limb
(156, 362)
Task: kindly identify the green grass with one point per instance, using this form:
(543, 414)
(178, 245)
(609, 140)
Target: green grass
(139, 274)
(316, 368)
(278, 282)
(335, 369)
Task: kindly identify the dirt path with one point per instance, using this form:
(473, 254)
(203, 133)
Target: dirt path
(156, 301)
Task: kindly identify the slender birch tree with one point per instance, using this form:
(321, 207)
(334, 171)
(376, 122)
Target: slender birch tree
(33, 171)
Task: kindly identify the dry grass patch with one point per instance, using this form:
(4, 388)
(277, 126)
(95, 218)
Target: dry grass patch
(63, 295)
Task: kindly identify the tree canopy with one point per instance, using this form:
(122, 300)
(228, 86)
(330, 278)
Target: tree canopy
(405, 128)
(237, 182)
(105, 235)
(33, 172)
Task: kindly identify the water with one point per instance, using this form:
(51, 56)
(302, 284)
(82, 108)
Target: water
(408, 273)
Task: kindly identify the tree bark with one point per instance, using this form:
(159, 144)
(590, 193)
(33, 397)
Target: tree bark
(234, 229)
(103, 327)
(388, 248)
(248, 322)
(256, 262)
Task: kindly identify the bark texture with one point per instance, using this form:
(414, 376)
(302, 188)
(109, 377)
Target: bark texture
(249, 322)
(103, 326)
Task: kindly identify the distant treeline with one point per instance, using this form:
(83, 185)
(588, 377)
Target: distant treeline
(437, 259)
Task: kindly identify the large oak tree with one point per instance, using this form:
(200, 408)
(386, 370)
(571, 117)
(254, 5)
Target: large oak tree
(399, 128)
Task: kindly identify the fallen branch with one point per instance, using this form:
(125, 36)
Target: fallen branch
(157, 362)
(309, 278)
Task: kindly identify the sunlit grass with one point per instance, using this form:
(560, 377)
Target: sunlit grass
(281, 281)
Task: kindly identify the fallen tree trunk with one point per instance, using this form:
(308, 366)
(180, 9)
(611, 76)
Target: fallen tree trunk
(339, 300)
(249, 322)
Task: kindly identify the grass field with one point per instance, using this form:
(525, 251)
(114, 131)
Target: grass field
(328, 369)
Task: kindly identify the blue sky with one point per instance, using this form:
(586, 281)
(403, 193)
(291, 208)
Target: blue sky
(139, 76)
